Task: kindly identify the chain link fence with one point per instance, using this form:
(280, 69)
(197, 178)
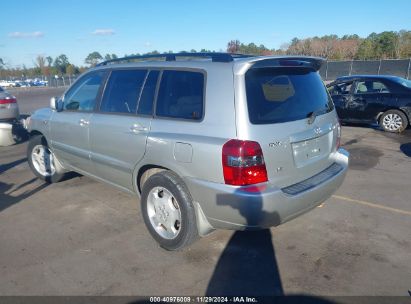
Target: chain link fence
(397, 67)
(38, 81)
(60, 81)
(329, 71)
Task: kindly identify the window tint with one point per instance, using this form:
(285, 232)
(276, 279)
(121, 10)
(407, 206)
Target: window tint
(340, 89)
(145, 105)
(122, 91)
(181, 95)
(82, 96)
(285, 94)
(370, 87)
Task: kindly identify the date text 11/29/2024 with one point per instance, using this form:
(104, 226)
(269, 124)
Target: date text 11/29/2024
(203, 299)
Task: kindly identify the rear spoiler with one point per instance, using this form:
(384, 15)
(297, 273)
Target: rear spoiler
(314, 63)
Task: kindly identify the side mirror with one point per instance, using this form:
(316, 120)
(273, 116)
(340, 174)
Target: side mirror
(53, 103)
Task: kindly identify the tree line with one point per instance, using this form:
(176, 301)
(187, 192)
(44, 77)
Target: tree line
(385, 45)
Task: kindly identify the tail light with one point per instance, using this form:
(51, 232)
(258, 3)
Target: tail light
(8, 100)
(338, 140)
(243, 163)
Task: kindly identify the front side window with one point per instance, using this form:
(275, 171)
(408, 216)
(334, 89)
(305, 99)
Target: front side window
(277, 95)
(340, 88)
(122, 91)
(369, 86)
(82, 96)
(181, 95)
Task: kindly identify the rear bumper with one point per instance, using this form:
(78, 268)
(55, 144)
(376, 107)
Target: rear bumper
(262, 206)
(9, 112)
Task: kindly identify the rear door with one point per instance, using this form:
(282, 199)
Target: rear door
(292, 117)
(118, 131)
(70, 127)
(368, 99)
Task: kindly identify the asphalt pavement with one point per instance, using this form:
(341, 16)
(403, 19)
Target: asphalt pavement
(81, 237)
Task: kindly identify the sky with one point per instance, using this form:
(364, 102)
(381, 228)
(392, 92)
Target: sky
(76, 28)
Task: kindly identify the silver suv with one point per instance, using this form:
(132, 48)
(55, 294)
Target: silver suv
(212, 140)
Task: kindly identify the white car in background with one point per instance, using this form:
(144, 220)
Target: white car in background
(9, 110)
(5, 84)
(9, 84)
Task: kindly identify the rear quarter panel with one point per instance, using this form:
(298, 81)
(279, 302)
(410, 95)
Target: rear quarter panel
(404, 103)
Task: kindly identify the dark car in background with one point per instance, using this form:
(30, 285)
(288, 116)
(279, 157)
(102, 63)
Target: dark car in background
(385, 100)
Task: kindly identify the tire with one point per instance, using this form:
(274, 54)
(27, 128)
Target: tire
(168, 211)
(393, 121)
(45, 168)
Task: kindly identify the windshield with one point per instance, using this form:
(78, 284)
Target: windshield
(285, 94)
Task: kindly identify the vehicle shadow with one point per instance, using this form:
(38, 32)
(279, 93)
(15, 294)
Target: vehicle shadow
(5, 167)
(7, 200)
(248, 264)
(406, 149)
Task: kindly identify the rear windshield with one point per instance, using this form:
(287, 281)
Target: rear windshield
(285, 94)
(404, 82)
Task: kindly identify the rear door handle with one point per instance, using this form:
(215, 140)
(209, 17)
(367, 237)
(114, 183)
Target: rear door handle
(82, 122)
(136, 128)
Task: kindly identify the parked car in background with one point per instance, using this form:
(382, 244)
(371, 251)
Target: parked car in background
(232, 142)
(23, 83)
(8, 84)
(385, 100)
(9, 110)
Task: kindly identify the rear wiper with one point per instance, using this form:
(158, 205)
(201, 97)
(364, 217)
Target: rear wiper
(313, 115)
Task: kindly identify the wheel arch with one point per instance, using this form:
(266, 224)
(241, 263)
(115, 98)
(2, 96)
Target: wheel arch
(145, 172)
(35, 133)
(38, 133)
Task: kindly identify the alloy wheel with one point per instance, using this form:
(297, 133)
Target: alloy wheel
(164, 213)
(43, 160)
(392, 122)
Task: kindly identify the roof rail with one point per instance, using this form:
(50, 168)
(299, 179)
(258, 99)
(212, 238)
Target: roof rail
(215, 57)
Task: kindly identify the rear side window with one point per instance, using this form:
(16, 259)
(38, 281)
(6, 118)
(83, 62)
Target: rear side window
(122, 91)
(404, 82)
(276, 95)
(145, 105)
(369, 86)
(181, 95)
